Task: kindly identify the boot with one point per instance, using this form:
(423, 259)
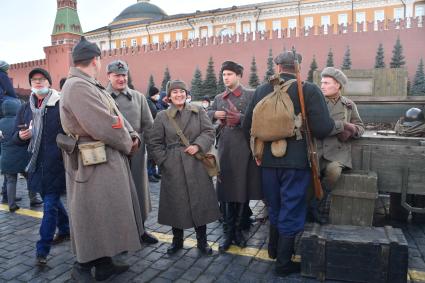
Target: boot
(239, 237)
(106, 267)
(177, 243)
(285, 250)
(201, 237)
(273, 239)
(247, 221)
(34, 201)
(228, 226)
(81, 272)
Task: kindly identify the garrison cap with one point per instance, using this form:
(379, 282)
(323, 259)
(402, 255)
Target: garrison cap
(287, 58)
(232, 66)
(336, 74)
(85, 50)
(117, 67)
(175, 84)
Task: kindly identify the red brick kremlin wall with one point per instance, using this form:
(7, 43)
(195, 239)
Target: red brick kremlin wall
(183, 57)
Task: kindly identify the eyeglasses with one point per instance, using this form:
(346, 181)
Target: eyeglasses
(40, 80)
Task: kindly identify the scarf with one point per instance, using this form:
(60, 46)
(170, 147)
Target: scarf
(37, 130)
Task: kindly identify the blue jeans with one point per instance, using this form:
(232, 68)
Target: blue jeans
(54, 215)
(285, 191)
(151, 168)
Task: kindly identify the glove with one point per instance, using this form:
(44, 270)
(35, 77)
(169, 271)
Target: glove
(233, 119)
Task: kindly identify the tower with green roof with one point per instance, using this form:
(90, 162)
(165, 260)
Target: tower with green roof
(67, 28)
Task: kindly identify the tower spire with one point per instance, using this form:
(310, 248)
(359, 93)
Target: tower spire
(67, 28)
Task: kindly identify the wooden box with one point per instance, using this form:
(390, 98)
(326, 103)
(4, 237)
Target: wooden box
(353, 199)
(354, 253)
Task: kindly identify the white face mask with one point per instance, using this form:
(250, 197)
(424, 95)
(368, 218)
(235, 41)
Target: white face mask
(42, 91)
(188, 100)
(155, 97)
(205, 105)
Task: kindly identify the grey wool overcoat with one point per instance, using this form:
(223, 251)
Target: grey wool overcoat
(187, 197)
(104, 211)
(133, 105)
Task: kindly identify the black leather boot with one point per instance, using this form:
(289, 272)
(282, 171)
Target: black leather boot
(247, 221)
(81, 272)
(201, 237)
(285, 250)
(177, 243)
(273, 239)
(239, 237)
(106, 267)
(228, 226)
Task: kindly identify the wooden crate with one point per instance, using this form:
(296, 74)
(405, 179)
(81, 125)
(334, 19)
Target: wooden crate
(353, 199)
(354, 253)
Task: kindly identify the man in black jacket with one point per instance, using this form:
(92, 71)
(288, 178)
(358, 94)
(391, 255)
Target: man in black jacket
(285, 179)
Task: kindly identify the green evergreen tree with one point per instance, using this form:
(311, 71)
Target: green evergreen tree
(254, 81)
(346, 62)
(379, 58)
(418, 86)
(210, 83)
(270, 66)
(130, 81)
(220, 86)
(313, 67)
(397, 61)
(197, 84)
(150, 83)
(330, 60)
(166, 79)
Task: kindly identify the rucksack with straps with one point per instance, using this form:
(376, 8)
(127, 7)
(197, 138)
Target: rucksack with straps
(274, 120)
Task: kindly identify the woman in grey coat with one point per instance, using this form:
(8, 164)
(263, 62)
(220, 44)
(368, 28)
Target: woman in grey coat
(187, 196)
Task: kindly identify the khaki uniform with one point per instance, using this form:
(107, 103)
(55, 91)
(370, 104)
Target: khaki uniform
(336, 155)
(104, 211)
(133, 105)
(187, 197)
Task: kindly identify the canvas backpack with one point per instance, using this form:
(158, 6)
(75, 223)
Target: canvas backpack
(274, 120)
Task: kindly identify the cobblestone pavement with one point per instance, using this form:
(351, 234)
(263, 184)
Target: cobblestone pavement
(19, 232)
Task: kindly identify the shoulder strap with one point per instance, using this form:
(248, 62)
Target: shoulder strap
(178, 130)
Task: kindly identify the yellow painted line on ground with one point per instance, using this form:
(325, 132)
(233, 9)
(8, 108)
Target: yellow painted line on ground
(415, 275)
(23, 211)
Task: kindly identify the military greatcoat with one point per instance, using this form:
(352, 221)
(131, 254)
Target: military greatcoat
(330, 148)
(104, 211)
(133, 105)
(187, 197)
(240, 177)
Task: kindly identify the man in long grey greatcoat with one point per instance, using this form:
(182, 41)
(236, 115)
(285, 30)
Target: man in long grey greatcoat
(104, 211)
(239, 180)
(133, 105)
(335, 150)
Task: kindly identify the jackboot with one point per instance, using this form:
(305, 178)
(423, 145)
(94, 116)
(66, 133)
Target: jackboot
(239, 237)
(106, 267)
(177, 243)
(284, 263)
(201, 237)
(273, 239)
(81, 272)
(228, 226)
(247, 221)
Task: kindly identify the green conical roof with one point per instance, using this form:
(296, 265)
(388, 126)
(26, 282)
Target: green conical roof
(67, 21)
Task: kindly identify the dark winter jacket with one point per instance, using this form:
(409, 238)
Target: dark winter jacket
(49, 175)
(152, 107)
(319, 121)
(6, 89)
(14, 157)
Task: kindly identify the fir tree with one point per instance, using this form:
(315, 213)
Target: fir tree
(129, 81)
(397, 61)
(330, 60)
(150, 83)
(346, 63)
(166, 79)
(313, 67)
(210, 83)
(379, 58)
(196, 89)
(253, 77)
(270, 66)
(418, 86)
(220, 86)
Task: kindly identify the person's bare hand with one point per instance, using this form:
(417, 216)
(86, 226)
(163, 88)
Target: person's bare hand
(25, 134)
(220, 115)
(135, 146)
(192, 149)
